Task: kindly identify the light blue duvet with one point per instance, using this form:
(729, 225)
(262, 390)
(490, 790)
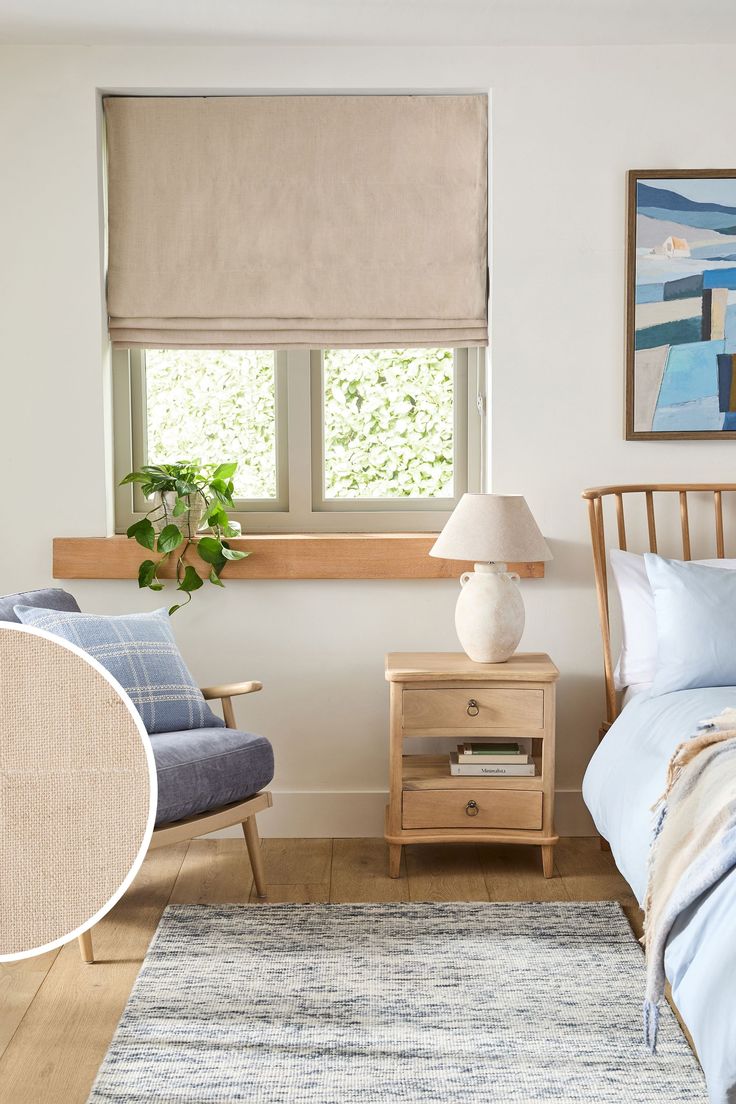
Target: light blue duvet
(625, 778)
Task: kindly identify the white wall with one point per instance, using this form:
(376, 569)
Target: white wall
(566, 124)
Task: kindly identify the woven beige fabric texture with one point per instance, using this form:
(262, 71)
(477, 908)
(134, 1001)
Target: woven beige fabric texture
(297, 221)
(74, 790)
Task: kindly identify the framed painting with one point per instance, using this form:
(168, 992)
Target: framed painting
(681, 305)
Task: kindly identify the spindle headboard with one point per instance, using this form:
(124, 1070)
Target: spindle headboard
(632, 495)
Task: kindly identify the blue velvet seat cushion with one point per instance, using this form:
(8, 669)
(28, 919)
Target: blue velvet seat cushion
(205, 768)
(139, 650)
(50, 598)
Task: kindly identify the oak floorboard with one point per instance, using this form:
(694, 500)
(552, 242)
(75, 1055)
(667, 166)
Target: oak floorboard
(514, 873)
(442, 872)
(19, 983)
(305, 893)
(297, 861)
(56, 1050)
(590, 874)
(360, 873)
(214, 871)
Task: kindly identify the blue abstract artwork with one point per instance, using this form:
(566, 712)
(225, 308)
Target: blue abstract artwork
(682, 304)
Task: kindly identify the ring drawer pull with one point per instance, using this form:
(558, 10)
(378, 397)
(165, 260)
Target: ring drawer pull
(473, 708)
(472, 809)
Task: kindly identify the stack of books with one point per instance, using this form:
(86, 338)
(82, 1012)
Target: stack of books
(507, 758)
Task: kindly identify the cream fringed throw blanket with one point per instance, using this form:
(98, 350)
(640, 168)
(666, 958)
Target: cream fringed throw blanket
(694, 843)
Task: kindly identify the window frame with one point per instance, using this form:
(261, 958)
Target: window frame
(300, 506)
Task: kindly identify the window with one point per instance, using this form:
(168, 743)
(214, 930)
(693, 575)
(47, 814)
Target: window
(387, 427)
(342, 440)
(214, 404)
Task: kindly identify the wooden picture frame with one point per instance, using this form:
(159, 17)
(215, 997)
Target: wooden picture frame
(681, 305)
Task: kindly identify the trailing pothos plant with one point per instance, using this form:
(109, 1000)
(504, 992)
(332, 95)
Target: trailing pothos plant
(188, 498)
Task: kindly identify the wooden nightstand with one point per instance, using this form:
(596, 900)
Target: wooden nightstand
(446, 694)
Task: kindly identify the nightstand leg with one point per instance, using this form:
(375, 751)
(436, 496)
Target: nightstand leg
(394, 860)
(548, 859)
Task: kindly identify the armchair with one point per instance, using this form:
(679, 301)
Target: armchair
(208, 778)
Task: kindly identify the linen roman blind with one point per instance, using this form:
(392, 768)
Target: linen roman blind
(297, 221)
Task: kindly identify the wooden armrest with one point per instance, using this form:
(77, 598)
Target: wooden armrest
(231, 689)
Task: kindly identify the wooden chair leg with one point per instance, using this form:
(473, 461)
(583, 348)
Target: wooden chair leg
(85, 946)
(253, 843)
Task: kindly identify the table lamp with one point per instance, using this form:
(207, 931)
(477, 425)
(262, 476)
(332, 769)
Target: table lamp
(492, 530)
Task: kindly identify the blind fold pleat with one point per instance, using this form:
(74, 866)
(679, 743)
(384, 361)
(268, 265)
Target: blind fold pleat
(297, 221)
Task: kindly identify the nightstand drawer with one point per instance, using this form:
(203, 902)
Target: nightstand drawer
(480, 707)
(456, 809)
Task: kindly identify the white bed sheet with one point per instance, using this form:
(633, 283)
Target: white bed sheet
(625, 778)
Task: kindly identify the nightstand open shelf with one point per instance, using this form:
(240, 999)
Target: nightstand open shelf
(430, 772)
(448, 695)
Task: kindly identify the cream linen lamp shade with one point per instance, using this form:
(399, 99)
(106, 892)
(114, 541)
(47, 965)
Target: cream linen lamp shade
(492, 530)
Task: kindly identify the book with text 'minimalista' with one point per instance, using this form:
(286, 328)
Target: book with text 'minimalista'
(489, 769)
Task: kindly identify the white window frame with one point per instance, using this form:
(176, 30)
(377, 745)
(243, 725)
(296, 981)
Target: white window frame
(300, 505)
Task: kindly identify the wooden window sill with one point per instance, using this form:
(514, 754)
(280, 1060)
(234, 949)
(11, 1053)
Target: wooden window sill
(281, 556)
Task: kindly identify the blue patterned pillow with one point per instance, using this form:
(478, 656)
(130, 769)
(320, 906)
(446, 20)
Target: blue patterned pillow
(140, 651)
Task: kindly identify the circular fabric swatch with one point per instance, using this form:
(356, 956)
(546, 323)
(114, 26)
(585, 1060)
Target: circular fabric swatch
(77, 791)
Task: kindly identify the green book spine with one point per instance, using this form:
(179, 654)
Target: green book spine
(490, 749)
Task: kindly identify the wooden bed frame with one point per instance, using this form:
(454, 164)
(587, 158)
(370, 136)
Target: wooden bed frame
(595, 498)
(633, 493)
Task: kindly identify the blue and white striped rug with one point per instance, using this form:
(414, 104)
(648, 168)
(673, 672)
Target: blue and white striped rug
(381, 1004)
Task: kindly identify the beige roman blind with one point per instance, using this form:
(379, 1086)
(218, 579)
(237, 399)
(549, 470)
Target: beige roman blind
(297, 221)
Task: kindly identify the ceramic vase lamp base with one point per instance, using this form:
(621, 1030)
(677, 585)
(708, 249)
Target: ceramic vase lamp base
(489, 615)
(491, 531)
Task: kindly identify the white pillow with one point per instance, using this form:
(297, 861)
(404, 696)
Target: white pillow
(637, 662)
(696, 625)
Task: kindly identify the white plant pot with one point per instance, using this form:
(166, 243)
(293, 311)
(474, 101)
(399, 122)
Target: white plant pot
(489, 616)
(187, 523)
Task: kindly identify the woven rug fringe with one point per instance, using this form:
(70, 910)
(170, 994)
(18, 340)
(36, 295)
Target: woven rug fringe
(651, 1024)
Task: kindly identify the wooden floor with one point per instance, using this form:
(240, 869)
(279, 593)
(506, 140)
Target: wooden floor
(57, 1015)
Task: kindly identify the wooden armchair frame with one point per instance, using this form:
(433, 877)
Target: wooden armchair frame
(239, 812)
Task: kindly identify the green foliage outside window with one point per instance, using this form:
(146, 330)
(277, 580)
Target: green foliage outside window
(388, 423)
(211, 404)
(388, 418)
